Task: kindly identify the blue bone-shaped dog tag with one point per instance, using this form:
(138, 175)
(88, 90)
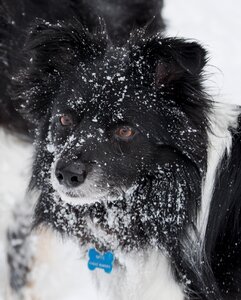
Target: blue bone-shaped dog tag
(100, 261)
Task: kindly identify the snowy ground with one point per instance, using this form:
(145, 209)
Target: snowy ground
(216, 23)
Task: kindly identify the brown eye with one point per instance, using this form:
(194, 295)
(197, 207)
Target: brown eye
(66, 120)
(124, 132)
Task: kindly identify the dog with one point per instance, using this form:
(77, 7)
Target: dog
(134, 164)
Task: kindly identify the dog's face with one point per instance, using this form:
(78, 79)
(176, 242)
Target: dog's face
(105, 136)
(100, 145)
(108, 119)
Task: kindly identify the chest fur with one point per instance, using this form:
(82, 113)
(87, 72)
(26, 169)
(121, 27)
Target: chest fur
(144, 275)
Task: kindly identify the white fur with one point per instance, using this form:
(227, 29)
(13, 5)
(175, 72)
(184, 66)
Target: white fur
(142, 275)
(222, 118)
(15, 169)
(61, 272)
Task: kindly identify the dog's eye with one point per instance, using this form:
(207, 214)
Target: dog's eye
(66, 120)
(125, 132)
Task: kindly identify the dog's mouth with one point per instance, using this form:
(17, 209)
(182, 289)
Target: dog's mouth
(86, 194)
(91, 191)
(80, 198)
(96, 187)
(71, 194)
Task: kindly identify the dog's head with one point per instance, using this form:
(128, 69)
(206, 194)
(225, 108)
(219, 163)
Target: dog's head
(108, 118)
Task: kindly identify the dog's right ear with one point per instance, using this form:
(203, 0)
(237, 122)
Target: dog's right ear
(62, 44)
(53, 52)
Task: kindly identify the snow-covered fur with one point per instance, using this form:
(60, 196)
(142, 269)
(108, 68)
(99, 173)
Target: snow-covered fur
(130, 156)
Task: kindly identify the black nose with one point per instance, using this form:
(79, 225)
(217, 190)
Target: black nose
(70, 174)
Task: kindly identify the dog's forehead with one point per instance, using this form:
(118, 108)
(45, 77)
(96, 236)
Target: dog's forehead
(108, 88)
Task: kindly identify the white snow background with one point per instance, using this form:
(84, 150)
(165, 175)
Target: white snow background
(216, 24)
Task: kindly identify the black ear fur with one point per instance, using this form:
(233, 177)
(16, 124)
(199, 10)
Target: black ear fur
(186, 59)
(190, 56)
(53, 53)
(173, 59)
(64, 43)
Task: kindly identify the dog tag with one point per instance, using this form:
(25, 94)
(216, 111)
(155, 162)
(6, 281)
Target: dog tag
(100, 261)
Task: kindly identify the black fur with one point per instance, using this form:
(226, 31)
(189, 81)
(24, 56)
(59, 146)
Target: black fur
(16, 17)
(223, 236)
(163, 79)
(78, 65)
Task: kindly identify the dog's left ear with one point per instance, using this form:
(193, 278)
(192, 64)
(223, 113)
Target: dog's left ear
(185, 60)
(173, 59)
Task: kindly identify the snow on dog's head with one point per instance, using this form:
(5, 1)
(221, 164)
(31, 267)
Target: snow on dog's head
(109, 119)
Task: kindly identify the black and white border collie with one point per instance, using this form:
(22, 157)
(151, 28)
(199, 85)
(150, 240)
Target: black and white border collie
(131, 156)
